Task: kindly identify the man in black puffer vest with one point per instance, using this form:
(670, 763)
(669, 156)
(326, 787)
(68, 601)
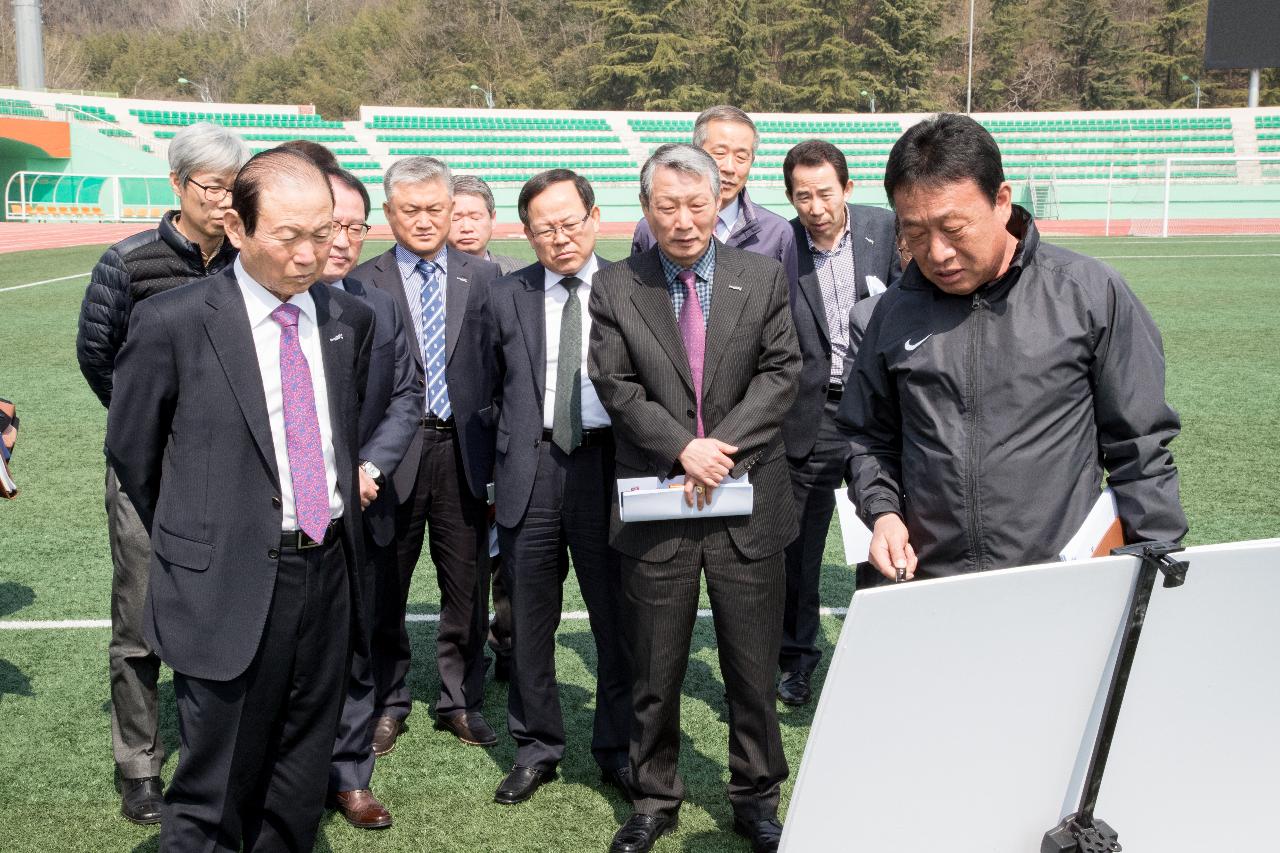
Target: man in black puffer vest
(187, 244)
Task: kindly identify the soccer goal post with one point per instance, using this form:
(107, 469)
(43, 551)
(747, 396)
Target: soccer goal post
(1215, 195)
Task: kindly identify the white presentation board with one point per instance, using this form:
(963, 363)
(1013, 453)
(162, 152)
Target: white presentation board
(959, 714)
(1195, 765)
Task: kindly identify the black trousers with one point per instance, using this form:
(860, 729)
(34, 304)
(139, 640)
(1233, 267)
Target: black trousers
(500, 624)
(568, 513)
(442, 510)
(746, 606)
(352, 766)
(814, 482)
(254, 750)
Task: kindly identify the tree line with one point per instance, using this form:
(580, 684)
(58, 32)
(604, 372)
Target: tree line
(764, 55)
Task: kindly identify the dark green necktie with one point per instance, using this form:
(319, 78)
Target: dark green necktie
(566, 426)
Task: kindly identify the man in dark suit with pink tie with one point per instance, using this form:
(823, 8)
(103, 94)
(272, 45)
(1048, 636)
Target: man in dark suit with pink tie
(693, 353)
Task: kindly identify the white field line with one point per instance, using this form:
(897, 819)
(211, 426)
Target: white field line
(46, 281)
(1190, 257)
(68, 624)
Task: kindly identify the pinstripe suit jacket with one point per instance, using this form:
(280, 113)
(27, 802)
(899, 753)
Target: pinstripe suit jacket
(638, 364)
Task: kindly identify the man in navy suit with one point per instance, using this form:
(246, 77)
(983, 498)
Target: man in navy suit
(847, 255)
(430, 283)
(388, 419)
(553, 479)
(233, 429)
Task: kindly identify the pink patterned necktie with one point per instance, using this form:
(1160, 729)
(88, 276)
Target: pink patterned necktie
(302, 429)
(693, 330)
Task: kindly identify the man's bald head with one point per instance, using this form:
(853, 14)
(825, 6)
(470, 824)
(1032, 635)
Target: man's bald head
(275, 167)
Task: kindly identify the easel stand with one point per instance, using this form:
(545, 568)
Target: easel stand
(1081, 832)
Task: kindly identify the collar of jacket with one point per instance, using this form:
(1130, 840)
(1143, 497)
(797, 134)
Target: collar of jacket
(1021, 225)
(189, 251)
(750, 222)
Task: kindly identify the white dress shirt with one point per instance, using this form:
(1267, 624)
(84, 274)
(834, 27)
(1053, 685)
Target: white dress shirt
(728, 217)
(554, 298)
(259, 303)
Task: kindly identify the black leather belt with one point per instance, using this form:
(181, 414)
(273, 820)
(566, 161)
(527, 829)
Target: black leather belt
(432, 422)
(590, 437)
(298, 540)
(835, 391)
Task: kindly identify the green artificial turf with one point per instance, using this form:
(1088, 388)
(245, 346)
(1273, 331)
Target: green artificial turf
(1222, 339)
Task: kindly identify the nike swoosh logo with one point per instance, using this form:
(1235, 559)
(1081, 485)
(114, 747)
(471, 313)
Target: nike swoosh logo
(911, 346)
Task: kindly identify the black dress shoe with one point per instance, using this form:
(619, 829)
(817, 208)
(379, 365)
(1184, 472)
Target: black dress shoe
(764, 835)
(520, 784)
(142, 799)
(641, 832)
(469, 727)
(794, 689)
(620, 778)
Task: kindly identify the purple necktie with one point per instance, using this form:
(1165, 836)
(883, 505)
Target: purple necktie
(302, 429)
(693, 331)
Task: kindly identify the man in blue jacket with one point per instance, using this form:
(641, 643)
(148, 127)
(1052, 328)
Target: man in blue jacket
(730, 137)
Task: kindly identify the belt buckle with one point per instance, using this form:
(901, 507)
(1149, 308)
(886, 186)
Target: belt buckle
(305, 542)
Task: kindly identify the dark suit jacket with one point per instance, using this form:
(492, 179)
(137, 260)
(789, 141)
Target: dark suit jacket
(638, 363)
(874, 254)
(392, 406)
(466, 273)
(511, 349)
(188, 435)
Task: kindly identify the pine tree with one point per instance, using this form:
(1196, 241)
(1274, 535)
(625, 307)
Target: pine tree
(903, 47)
(1095, 65)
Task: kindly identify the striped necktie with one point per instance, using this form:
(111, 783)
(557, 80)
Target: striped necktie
(433, 341)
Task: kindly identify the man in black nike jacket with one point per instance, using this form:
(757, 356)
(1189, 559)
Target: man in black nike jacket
(999, 380)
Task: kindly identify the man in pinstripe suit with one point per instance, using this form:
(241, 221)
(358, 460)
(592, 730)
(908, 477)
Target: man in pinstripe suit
(694, 355)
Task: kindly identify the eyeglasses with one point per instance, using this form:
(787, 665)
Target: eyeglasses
(213, 192)
(570, 229)
(355, 230)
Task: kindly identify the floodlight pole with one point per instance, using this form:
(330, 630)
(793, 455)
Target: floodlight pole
(870, 95)
(28, 25)
(968, 97)
(1255, 85)
(488, 95)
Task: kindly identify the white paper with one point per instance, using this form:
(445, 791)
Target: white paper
(650, 499)
(1095, 526)
(855, 534)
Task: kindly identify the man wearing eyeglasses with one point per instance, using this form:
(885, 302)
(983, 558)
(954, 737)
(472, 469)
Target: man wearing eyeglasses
(389, 417)
(431, 283)
(187, 244)
(553, 480)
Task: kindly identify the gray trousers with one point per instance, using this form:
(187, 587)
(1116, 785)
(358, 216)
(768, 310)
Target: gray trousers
(135, 735)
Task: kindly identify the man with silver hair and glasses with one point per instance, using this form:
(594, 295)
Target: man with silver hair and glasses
(188, 243)
(474, 215)
(431, 282)
(730, 137)
(694, 356)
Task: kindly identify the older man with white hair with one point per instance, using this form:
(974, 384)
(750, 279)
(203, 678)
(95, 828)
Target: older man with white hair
(430, 282)
(693, 354)
(187, 244)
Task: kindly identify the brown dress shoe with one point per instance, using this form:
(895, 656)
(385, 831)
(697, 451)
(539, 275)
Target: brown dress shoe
(385, 732)
(469, 727)
(361, 809)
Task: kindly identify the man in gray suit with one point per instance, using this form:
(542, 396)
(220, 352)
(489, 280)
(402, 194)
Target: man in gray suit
(553, 480)
(430, 284)
(846, 256)
(694, 355)
(474, 215)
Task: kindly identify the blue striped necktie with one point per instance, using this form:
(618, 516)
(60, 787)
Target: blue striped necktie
(433, 340)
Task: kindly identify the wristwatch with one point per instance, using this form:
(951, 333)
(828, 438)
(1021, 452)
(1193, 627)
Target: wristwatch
(373, 472)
